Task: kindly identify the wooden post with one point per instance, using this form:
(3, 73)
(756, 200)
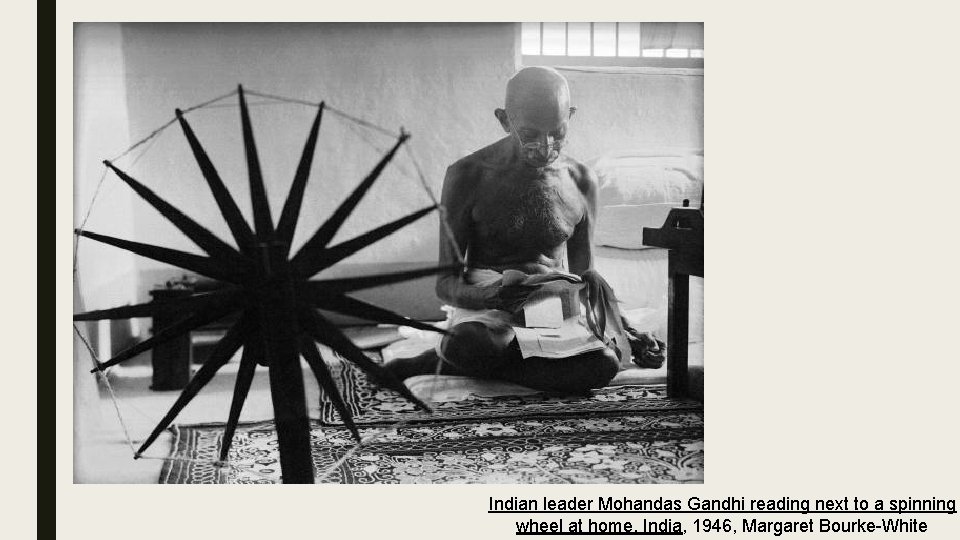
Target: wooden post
(677, 328)
(290, 416)
(282, 355)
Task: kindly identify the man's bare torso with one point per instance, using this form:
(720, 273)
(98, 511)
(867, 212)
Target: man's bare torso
(521, 217)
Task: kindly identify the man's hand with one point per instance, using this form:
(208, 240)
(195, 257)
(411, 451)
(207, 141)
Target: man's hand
(511, 298)
(648, 351)
(516, 287)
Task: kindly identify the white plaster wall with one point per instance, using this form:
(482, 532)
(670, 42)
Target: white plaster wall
(106, 275)
(440, 81)
(636, 110)
(100, 130)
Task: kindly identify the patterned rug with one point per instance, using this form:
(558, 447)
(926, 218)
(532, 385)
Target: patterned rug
(620, 434)
(373, 406)
(647, 448)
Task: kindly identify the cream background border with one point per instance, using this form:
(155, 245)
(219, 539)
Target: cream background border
(18, 329)
(830, 141)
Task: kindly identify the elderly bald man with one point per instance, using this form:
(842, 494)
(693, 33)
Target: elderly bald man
(521, 205)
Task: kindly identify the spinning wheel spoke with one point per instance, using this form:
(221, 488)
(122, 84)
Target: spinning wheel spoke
(291, 208)
(343, 285)
(325, 233)
(221, 354)
(228, 207)
(358, 308)
(321, 330)
(248, 368)
(258, 194)
(310, 263)
(191, 322)
(151, 309)
(202, 265)
(312, 355)
(202, 237)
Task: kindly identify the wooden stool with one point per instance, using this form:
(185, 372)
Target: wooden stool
(682, 234)
(171, 360)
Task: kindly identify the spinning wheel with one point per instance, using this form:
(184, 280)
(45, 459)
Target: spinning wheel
(272, 293)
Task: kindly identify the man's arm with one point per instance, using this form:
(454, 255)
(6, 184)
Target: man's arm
(647, 351)
(580, 244)
(457, 199)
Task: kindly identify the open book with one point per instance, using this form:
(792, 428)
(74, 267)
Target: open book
(549, 325)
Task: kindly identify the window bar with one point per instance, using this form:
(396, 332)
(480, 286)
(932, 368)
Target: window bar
(591, 39)
(541, 38)
(616, 39)
(640, 40)
(566, 39)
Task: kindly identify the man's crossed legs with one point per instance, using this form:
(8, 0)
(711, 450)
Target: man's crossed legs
(475, 349)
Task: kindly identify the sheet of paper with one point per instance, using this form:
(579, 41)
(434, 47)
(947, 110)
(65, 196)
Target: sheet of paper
(543, 313)
(569, 340)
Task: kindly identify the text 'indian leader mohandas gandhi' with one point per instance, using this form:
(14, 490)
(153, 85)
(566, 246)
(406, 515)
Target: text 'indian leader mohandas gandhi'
(612, 504)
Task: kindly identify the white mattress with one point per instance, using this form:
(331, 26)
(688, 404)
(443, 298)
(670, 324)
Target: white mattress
(639, 278)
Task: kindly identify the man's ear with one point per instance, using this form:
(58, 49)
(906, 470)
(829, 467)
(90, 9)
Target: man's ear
(504, 120)
(572, 111)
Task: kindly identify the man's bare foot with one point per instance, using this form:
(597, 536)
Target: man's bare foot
(648, 351)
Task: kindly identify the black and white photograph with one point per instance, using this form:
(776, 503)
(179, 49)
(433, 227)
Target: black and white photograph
(388, 253)
(446, 263)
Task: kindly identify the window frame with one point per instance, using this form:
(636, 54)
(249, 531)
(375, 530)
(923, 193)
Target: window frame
(597, 61)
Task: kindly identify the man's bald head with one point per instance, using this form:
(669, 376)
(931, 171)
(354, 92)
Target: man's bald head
(537, 111)
(537, 88)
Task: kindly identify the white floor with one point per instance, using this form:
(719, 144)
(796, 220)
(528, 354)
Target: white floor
(104, 456)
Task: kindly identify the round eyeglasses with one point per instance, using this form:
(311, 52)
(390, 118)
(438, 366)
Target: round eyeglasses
(533, 146)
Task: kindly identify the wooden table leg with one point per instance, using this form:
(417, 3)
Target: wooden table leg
(677, 330)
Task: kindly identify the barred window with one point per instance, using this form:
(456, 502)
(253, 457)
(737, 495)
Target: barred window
(612, 44)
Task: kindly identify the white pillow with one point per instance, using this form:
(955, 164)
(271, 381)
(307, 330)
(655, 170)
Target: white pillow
(639, 191)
